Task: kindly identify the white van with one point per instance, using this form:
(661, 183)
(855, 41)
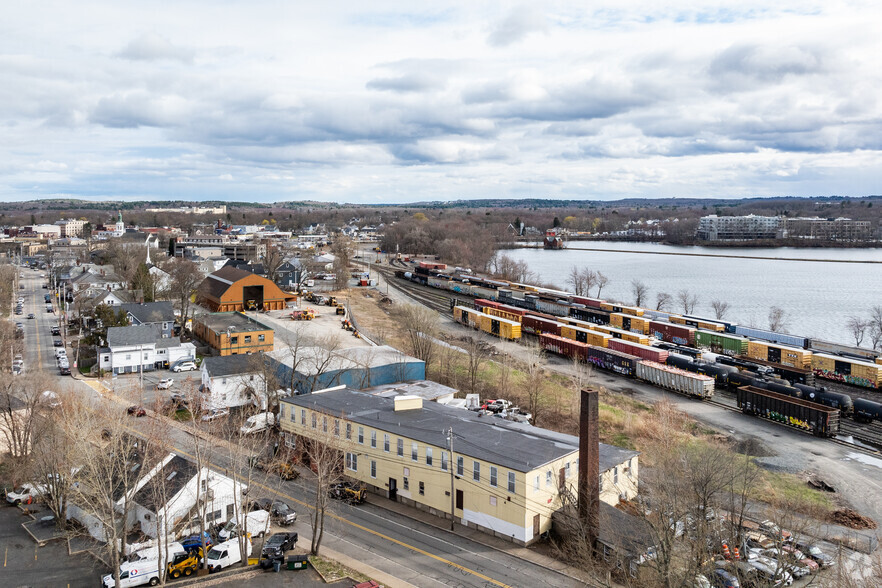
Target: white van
(134, 573)
(257, 423)
(225, 554)
(151, 553)
(258, 525)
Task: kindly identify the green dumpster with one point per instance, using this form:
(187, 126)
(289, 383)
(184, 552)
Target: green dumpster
(298, 562)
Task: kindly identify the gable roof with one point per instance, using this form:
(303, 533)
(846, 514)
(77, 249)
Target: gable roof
(232, 365)
(151, 312)
(215, 284)
(134, 335)
(166, 483)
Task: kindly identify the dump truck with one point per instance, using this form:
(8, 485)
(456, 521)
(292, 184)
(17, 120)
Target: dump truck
(302, 315)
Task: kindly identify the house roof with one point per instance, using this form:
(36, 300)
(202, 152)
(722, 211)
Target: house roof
(166, 483)
(628, 534)
(134, 335)
(167, 342)
(237, 322)
(215, 284)
(232, 365)
(151, 312)
(491, 439)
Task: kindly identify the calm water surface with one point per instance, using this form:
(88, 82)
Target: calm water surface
(818, 296)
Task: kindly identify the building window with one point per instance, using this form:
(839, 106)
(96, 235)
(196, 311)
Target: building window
(600, 483)
(400, 447)
(374, 440)
(373, 469)
(128, 356)
(234, 340)
(352, 461)
(248, 338)
(414, 452)
(314, 421)
(290, 441)
(493, 476)
(422, 489)
(406, 483)
(536, 484)
(444, 460)
(336, 428)
(476, 471)
(229, 511)
(324, 424)
(361, 435)
(630, 475)
(302, 417)
(386, 442)
(349, 431)
(547, 479)
(281, 411)
(511, 481)
(261, 338)
(459, 466)
(428, 456)
(567, 470)
(616, 475)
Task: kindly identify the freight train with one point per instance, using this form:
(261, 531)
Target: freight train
(790, 353)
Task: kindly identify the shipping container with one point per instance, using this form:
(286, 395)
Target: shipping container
(621, 334)
(563, 346)
(482, 292)
(592, 302)
(802, 414)
(467, 316)
(591, 315)
(845, 369)
(642, 351)
(772, 336)
(615, 307)
(552, 307)
(610, 359)
(500, 327)
(779, 354)
(671, 378)
(537, 325)
(705, 324)
(677, 334)
(722, 343)
(627, 322)
(584, 335)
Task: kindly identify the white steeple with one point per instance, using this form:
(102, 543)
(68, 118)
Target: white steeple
(120, 225)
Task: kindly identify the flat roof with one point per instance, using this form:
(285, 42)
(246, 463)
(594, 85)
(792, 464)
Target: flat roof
(425, 389)
(221, 321)
(510, 445)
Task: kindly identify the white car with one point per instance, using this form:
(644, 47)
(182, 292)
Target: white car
(186, 366)
(26, 493)
(164, 384)
(215, 413)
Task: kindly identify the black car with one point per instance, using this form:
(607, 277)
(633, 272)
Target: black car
(57, 343)
(279, 511)
(56, 331)
(276, 546)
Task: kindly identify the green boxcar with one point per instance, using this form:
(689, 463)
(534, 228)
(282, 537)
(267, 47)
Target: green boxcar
(721, 342)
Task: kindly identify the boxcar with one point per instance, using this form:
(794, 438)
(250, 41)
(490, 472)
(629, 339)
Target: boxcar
(486, 293)
(846, 369)
(537, 325)
(621, 334)
(614, 307)
(678, 334)
(500, 327)
(592, 302)
(802, 414)
(772, 336)
(671, 378)
(555, 307)
(627, 322)
(584, 335)
(610, 359)
(467, 316)
(563, 346)
(697, 323)
(642, 351)
(780, 354)
(722, 343)
(591, 315)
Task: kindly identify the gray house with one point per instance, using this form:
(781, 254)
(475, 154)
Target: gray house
(159, 314)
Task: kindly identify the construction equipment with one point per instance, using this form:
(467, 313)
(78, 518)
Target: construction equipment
(185, 563)
(251, 304)
(331, 301)
(302, 315)
(341, 309)
(347, 492)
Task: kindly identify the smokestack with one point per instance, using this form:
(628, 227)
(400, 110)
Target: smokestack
(589, 466)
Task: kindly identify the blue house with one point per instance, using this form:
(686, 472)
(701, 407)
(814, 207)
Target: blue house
(308, 369)
(159, 314)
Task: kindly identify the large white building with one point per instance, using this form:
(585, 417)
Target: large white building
(739, 228)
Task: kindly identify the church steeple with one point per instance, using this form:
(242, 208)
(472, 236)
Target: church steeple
(120, 225)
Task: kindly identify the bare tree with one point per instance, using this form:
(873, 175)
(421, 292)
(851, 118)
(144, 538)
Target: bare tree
(325, 456)
(720, 308)
(858, 328)
(273, 260)
(663, 301)
(777, 319)
(503, 378)
(126, 258)
(535, 382)
(640, 290)
(184, 279)
(875, 325)
(687, 301)
(507, 268)
(574, 280)
(589, 279)
(601, 281)
(478, 351)
(343, 249)
(420, 327)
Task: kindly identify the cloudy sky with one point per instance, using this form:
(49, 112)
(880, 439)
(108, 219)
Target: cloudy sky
(398, 102)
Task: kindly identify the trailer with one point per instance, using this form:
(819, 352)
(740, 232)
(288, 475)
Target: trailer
(610, 359)
(674, 379)
(816, 419)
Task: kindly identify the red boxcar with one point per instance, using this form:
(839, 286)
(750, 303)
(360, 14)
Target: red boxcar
(677, 334)
(565, 347)
(537, 325)
(481, 303)
(433, 266)
(592, 302)
(511, 309)
(642, 351)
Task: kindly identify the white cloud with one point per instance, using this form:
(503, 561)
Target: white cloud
(151, 47)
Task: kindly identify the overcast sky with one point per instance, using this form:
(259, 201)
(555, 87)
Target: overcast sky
(407, 101)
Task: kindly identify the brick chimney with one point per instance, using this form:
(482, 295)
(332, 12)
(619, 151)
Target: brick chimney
(589, 466)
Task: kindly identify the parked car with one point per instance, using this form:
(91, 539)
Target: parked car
(193, 542)
(257, 423)
(186, 366)
(58, 343)
(814, 552)
(280, 512)
(276, 546)
(723, 579)
(31, 315)
(770, 573)
(794, 555)
(136, 411)
(215, 413)
(776, 532)
(164, 384)
(780, 559)
(26, 493)
(225, 554)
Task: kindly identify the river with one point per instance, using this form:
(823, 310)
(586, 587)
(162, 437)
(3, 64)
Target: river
(817, 295)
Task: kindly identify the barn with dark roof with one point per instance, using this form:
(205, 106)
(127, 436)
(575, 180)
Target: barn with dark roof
(230, 289)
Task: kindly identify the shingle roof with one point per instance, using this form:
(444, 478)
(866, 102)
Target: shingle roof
(135, 335)
(232, 365)
(165, 483)
(218, 282)
(151, 312)
(518, 448)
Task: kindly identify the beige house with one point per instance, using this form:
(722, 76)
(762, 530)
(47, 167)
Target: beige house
(500, 477)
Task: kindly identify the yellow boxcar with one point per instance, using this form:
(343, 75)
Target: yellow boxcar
(467, 316)
(500, 327)
(512, 316)
(774, 353)
(879, 360)
(628, 322)
(845, 369)
(632, 310)
(697, 323)
(621, 334)
(585, 336)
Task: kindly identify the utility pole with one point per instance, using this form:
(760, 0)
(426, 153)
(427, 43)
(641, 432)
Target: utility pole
(452, 479)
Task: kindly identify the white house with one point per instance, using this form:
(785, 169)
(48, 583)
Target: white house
(129, 349)
(233, 380)
(170, 350)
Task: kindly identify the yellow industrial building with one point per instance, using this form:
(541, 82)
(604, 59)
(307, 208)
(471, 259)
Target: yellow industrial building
(501, 477)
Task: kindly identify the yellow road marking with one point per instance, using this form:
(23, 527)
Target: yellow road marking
(5, 555)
